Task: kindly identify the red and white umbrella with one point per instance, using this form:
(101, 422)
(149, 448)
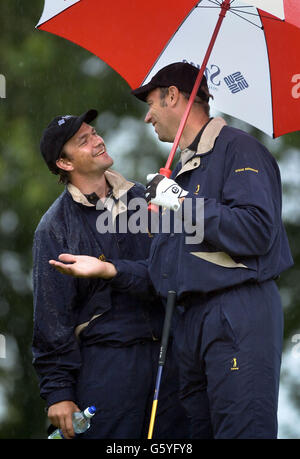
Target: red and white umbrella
(253, 68)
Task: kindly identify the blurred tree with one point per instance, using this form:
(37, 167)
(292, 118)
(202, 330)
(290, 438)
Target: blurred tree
(47, 76)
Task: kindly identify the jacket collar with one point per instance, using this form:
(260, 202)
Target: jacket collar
(119, 184)
(207, 141)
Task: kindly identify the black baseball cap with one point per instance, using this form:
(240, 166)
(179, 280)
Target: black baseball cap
(58, 132)
(179, 74)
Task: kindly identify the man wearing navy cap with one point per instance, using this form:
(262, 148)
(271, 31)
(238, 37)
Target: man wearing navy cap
(93, 344)
(231, 326)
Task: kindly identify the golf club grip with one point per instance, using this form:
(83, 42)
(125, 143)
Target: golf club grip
(167, 325)
(166, 173)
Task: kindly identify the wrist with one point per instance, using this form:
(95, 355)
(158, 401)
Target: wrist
(110, 271)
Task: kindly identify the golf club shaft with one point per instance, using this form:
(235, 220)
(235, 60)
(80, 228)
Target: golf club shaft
(155, 401)
(162, 356)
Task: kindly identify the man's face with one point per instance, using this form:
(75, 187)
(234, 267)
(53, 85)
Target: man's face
(87, 152)
(160, 116)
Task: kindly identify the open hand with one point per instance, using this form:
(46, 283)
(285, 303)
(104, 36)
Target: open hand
(83, 266)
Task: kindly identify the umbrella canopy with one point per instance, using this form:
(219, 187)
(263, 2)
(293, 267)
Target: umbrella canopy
(253, 71)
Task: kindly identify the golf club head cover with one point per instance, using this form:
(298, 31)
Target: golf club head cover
(163, 191)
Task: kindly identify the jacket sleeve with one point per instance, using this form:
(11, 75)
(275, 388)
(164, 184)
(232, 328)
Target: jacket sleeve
(246, 219)
(56, 354)
(133, 278)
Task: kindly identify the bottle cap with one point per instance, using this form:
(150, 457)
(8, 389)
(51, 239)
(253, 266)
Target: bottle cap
(90, 411)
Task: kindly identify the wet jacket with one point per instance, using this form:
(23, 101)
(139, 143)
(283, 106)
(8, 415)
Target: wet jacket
(70, 312)
(235, 197)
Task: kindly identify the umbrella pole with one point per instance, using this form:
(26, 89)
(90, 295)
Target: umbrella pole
(166, 171)
(162, 356)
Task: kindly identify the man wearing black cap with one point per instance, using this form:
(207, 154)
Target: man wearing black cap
(230, 337)
(230, 332)
(93, 344)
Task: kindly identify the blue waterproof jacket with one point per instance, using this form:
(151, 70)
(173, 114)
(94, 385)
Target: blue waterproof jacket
(68, 311)
(239, 184)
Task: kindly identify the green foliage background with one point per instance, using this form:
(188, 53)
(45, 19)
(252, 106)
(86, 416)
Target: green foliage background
(48, 76)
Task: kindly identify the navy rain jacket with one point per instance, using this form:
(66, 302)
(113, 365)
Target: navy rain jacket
(65, 306)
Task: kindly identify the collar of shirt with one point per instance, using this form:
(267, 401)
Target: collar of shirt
(93, 198)
(204, 141)
(194, 144)
(118, 188)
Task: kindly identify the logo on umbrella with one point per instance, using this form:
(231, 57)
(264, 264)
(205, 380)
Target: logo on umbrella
(296, 87)
(236, 82)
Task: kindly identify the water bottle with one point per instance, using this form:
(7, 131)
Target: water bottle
(81, 422)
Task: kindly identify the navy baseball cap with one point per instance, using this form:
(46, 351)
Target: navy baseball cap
(179, 74)
(58, 132)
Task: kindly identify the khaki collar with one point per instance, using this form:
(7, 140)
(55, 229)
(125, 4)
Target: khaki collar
(119, 185)
(207, 141)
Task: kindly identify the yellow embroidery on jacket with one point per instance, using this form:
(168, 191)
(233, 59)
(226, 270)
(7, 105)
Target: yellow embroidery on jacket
(234, 364)
(243, 169)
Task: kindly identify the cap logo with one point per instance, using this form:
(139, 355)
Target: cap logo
(63, 119)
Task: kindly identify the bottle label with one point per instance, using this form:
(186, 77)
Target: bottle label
(56, 435)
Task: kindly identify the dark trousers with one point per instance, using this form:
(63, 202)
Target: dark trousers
(230, 348)
(120, 382)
